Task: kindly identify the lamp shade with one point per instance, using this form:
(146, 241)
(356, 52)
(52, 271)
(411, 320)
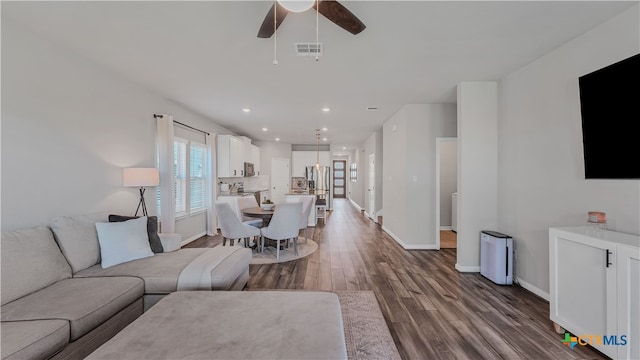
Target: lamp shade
(138, 177)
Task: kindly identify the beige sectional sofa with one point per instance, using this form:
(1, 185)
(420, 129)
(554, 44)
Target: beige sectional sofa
(58, 302)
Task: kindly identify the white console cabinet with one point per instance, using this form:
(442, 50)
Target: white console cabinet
(595, 287)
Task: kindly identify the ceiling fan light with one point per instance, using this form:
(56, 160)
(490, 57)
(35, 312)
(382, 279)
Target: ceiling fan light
(296, 5)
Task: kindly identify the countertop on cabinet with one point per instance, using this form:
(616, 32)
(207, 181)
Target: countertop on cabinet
(308, 192)
(227, 193)
(255, 191)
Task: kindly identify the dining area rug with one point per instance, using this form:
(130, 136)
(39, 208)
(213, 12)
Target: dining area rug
(306, 247)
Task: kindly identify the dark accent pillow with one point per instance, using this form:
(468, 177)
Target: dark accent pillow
(152, 230)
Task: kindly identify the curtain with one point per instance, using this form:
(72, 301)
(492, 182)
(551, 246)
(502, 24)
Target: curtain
(165, 165)
(212, 223)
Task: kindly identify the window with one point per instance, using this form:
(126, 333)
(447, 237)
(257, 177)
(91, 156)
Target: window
(189, 171)
(354, 172)
(197, 180)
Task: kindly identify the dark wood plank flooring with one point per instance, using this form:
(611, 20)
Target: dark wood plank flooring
(433, 311)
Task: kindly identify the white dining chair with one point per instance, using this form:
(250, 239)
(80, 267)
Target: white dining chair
(231, 227)
(307, 204)
(284, 225)
(245, 202)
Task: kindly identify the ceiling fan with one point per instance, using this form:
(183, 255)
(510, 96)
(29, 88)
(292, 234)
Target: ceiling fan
(331, 9)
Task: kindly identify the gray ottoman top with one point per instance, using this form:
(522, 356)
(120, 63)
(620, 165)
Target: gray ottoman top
(234, 325)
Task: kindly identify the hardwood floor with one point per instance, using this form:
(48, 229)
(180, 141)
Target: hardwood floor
(433, 311)
(448, 239)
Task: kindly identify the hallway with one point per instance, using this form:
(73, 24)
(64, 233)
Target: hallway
(433, 311)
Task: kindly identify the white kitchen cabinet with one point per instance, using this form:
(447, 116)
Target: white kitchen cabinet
(301, 159)
(628, 262)
(230, 151)
(254, 158)
(590, 288)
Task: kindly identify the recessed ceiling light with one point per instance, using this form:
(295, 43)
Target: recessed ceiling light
(344, 148)
(326, 109)
(246, 110)
(324, 139)
(324, 129)
(277, 139)
(264, 129)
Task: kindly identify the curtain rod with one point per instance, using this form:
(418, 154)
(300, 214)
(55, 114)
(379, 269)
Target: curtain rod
(185, 125)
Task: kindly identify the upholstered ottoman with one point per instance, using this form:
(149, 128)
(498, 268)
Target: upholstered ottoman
(234, 325)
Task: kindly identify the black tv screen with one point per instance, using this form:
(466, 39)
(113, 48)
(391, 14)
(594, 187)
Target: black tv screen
(610, 110)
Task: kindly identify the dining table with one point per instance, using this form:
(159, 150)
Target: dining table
(260, 213)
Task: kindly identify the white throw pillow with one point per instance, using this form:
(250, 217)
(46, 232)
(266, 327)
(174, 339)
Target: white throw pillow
(123, 241)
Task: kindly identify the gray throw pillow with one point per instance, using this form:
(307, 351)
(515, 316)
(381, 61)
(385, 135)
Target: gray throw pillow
(152, 230)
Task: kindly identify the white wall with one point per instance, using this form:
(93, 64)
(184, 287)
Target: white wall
(270, 150)
(541, 170)
(410, 171)
(477, 168)
(69, 126)
(371, 146)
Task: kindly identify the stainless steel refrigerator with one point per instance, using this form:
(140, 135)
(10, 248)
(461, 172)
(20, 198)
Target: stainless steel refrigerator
(320, 179)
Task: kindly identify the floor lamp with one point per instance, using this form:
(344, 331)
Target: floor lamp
(141, 177)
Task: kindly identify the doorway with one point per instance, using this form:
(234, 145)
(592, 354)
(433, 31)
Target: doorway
(446, 192)
(371, 208)
(339, 178)
(279, 179)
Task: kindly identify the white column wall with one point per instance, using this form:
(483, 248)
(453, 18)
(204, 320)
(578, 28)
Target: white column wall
(477, 169)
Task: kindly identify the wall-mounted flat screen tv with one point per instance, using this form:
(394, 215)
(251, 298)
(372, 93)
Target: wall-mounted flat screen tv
(610, 110)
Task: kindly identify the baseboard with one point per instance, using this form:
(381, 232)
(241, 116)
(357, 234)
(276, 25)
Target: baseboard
(409, 246)
(445, 228)
(533, 289)
(355, 204)
(193, 238)
(366, 214)
(474, 269)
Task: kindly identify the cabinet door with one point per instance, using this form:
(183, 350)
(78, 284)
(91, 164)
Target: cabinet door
(236, 157)
(255, 158)
(224, 155)
(583, 285)
(628, 263)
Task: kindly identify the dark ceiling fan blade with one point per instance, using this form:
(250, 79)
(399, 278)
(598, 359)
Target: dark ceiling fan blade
(267, 29)
(340, 16)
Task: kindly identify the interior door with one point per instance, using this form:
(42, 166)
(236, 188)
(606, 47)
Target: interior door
(371, 210)
(279, 179)
(339, 178)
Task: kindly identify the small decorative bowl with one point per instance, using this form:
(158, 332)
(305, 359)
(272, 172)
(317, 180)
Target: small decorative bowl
(267, 207)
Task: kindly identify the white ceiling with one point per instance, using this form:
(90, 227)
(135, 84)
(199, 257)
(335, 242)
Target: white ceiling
(206, 55)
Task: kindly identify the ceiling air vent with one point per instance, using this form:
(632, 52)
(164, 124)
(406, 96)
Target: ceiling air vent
(308, 49)
(373, 108)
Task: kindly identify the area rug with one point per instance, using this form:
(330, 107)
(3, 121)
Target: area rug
(366, 332)
(305, 248)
